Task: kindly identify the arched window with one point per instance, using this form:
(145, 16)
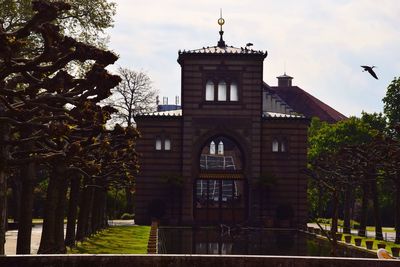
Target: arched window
(212, 148)
(275, 145)
(167, 144)
(283, 146)
(210, 91)
(158, 143)
(222, 154)
(222, 91)
(234, 96)
(220, 148)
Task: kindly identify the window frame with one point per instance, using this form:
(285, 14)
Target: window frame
(228, 78)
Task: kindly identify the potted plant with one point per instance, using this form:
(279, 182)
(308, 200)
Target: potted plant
(357, 241)
(339, 236)
(395, 251)
(347, 238)
(381, 245)
(369, 244)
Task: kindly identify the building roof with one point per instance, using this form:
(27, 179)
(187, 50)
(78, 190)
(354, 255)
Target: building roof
(282, 115)
(169, 113)
(304, 103)
(224, 50)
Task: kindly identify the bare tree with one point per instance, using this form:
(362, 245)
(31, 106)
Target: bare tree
(134, 95)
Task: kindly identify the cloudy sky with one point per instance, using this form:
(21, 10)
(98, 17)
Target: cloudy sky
(322, 43)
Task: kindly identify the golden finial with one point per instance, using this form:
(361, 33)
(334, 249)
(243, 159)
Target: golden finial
(221, 22)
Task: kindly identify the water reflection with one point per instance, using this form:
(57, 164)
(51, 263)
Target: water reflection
(245, 242)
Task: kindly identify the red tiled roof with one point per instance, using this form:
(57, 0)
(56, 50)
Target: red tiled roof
(302, 102)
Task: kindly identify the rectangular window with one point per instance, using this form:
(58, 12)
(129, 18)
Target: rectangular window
(158, 143)
(167, 144)
(222, 91)
(234, 92)
(275, 146)
(210, 91)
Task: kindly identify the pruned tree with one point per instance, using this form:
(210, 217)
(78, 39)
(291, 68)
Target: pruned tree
(135, 95)
(35, 93)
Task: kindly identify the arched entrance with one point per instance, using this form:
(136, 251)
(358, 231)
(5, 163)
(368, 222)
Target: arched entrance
(220, 189)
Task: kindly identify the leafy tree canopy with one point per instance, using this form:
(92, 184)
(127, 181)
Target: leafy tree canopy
(391, 102)
(325, 138)
(85, 21)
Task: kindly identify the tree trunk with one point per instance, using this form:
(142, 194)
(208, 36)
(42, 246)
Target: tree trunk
(320, 206)
(364, 211)
(72, 211)
(377, 214)
(82, 230)
(47, 241)
(334, 225)
(3, 209)
(397, 209)
(129, 201)
(346, 215)
(16, 198)
(96, 209)
(60, 213)
(28, 177)
(4, 137)
(52, 240)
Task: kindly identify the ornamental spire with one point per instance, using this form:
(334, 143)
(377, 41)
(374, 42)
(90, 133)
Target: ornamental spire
(221, 21)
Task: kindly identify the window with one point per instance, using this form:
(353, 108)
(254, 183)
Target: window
(275, 145)
(279, 145)
(224, 91)
(234, 92)
(158, 143)
(160, 140)
(283, 146)
(220, 148)
(212, 148)
(167, 144)
(221, 91)
(222, 154)
(210, 91)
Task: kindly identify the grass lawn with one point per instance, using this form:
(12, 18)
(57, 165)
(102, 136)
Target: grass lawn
(116, 240)
(389, 245)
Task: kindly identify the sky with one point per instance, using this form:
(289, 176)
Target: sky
(321, 43)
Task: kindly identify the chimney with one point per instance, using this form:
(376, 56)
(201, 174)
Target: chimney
(284, 80)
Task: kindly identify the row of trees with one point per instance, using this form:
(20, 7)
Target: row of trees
(356, 161)
(53, 115)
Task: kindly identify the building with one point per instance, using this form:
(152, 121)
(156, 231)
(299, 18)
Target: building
(235, 151)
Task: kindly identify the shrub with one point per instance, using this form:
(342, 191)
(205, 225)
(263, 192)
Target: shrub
(127, 216)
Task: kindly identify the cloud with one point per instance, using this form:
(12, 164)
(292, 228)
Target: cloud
(323, 43)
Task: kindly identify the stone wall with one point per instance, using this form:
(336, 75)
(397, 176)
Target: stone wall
(187, 261)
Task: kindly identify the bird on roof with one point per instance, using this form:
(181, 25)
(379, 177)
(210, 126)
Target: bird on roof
(249, 44)
(370, 70)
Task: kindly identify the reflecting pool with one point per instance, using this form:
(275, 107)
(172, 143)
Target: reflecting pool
(247, 241)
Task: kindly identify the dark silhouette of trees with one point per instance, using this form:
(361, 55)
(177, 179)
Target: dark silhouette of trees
(51, 121)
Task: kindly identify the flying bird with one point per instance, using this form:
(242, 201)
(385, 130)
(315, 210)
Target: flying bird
(370, 70)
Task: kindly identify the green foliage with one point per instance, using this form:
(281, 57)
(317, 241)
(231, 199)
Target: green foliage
(116, 240)
(85, 21)
(391, 102)
(127, 216)
(329, 138)
(376, 121)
